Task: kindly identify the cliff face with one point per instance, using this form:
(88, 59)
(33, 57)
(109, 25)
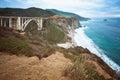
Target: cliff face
(65, 24)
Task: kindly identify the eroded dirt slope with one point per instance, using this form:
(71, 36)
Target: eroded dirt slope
(23, 68)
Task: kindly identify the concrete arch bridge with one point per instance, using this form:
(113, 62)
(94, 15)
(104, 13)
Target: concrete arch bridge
(20, 23)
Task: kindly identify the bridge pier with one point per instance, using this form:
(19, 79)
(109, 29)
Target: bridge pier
(21, 21)
(40, 24)
(18, 23)
(5, 23)
(1, 22)
(10, 22)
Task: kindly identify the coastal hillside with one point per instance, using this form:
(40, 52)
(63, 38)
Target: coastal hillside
(34, 55)
(37, 12)
(29, 12)
(23, 57)
(68, 14)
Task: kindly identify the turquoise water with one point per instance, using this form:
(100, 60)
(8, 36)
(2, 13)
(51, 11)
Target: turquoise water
(106, 35)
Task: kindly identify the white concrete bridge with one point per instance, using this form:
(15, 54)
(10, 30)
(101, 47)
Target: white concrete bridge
(20, 23)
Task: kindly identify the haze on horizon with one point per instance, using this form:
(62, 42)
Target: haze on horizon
(86, 8)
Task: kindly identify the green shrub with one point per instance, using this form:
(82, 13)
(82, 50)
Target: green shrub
(70, 56)
(15, 46)
(92, 74)
(77, 70)
(54, 35)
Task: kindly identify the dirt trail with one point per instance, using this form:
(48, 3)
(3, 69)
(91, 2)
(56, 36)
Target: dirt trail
(23, 68)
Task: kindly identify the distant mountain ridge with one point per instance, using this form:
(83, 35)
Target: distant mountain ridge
(68, 14)
(29, 12)
(37, 12)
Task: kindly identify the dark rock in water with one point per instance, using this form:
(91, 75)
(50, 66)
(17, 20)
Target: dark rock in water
(105, 19)
(118, 75)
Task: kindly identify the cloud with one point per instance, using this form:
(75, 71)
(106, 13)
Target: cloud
(116, 15)
(87, 8)
(69, 4)
(81, 7)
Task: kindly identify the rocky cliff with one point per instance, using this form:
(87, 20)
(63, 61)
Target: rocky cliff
(64, 23)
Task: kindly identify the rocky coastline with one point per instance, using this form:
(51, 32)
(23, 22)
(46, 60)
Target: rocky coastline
(42, 47)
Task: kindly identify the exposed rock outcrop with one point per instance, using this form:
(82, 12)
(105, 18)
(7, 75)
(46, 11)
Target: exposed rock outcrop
(64, 23)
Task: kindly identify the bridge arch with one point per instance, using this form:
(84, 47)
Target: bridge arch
(25, 24)
(32, 25)
(37, 21)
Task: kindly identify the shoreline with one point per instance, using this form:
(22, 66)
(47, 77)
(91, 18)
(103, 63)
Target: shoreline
(81, 39)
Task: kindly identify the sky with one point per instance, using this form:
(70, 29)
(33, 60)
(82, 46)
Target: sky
(85, 8)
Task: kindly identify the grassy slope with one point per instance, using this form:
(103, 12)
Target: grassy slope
(54, 35)
(13, 43)
(81, 71)
(15, 46)
(51, 33)
(33, 43)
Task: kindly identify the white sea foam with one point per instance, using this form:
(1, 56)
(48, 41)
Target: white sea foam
(65, 45)
(81, 39)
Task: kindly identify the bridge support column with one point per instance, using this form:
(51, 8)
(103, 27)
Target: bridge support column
(40, 24)
(10, 22)
(4, 23)
(22, 23)
(1, 22)
(18, 24)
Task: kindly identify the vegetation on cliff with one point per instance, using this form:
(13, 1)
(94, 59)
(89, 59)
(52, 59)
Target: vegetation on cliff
(32, 42)
(80, 70)
(86, 66)
(13, 43)
(49, 33)
(55, 35)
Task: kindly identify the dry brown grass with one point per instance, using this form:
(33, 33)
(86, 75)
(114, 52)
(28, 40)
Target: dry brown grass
(81, 71)
(31, 68)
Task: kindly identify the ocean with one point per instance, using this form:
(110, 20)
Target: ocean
(101, 37)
